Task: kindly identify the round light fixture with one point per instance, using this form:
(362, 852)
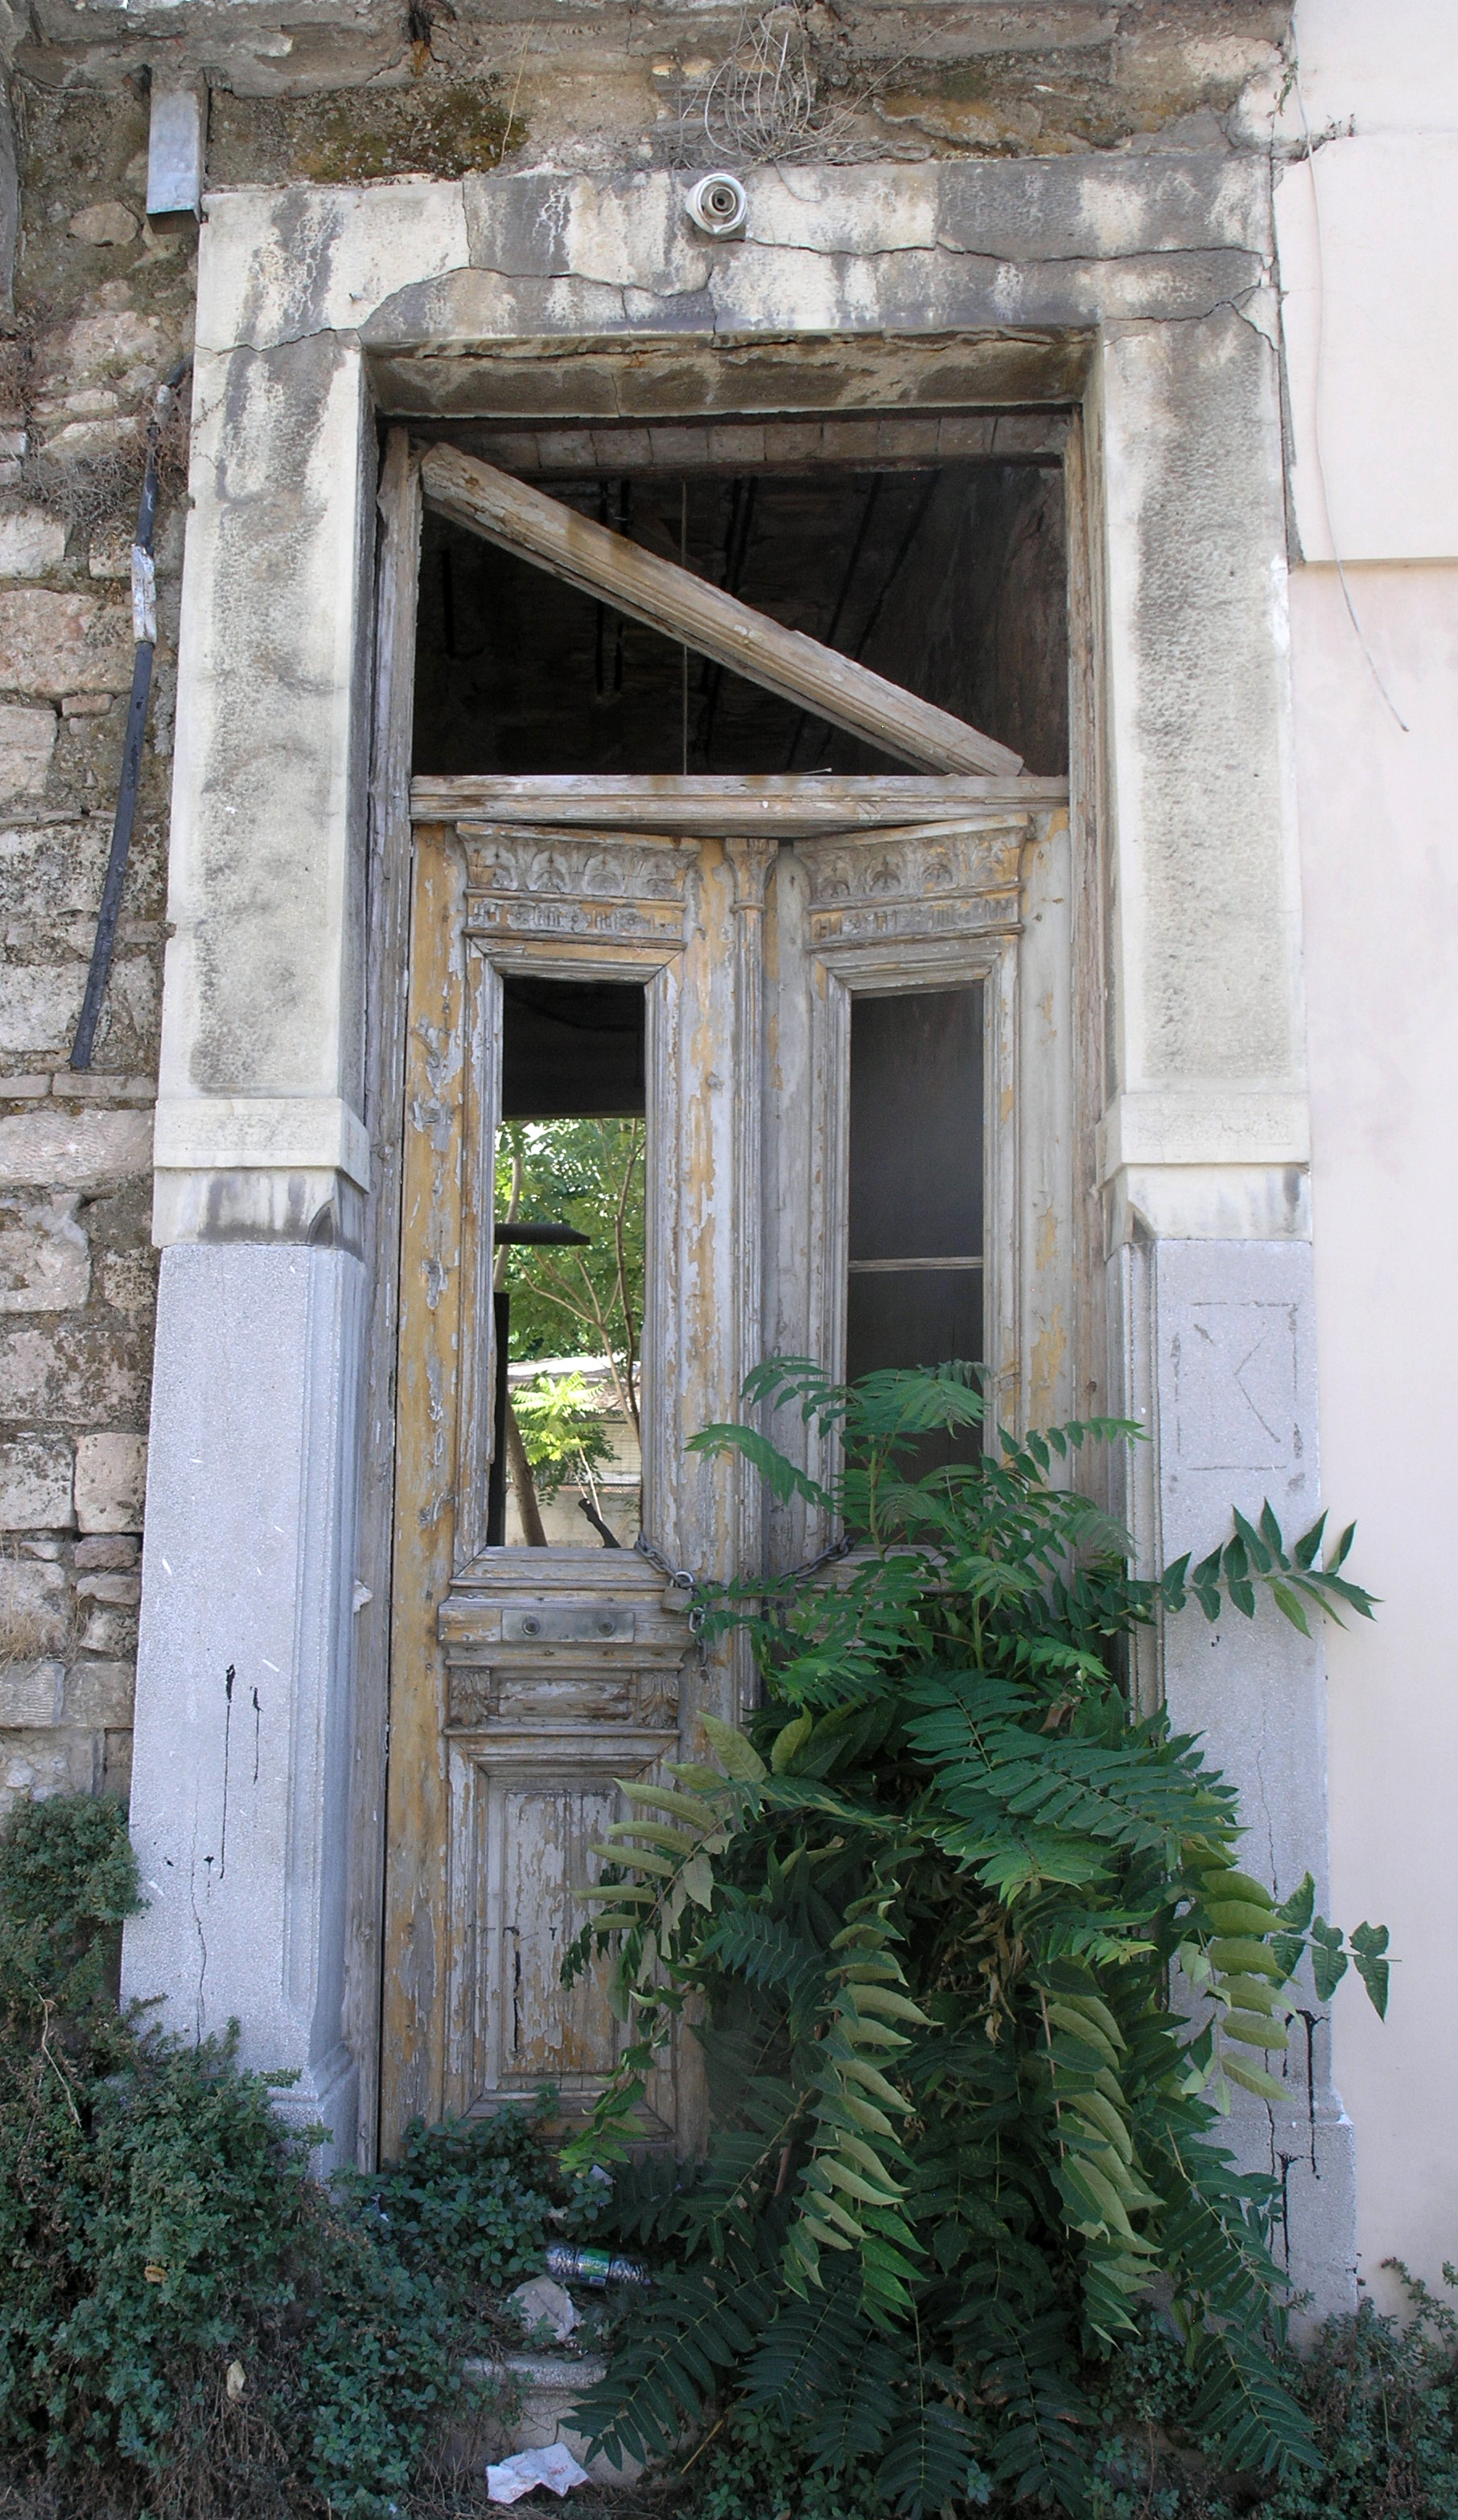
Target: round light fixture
(718, 205)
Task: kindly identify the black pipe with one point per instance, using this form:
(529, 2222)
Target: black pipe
(144, 624)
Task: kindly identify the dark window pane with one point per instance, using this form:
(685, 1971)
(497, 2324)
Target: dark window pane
(570, 1049)
(916, 1126)
(914, 1316)
(916, 1181)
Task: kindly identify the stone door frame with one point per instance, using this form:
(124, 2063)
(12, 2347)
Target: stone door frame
(1134, 291)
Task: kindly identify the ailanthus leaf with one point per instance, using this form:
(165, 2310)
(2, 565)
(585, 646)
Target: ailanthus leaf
(922, 1916)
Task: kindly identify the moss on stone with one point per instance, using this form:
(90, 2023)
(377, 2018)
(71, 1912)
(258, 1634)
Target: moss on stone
(433, 127)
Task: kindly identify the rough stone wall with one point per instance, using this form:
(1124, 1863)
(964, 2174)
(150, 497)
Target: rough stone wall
(102, 311)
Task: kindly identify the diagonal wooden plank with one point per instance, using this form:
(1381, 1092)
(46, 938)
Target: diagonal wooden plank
(672, 600)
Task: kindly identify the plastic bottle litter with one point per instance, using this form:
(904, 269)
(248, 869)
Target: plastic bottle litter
(595, 2266)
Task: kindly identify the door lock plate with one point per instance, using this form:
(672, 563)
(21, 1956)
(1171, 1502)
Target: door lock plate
(567, 1627)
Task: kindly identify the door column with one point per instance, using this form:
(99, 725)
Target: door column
(1202, 1149)
(241, 1775)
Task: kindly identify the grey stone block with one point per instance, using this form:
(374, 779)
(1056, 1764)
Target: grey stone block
(51, 644)
(47, 1762)
(75, 1372)
(36, 1483)
(31, 541)
(35, 1608)
(45, 1265)
(100, 1694)
(31, 1695)
(27, 740)
(74, 1150)
(240, 1798)
(110, 1482)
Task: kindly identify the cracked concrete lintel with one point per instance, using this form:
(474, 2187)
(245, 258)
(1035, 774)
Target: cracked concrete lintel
(284, 263)
(1027, 210)
(964, 292)
(1046, 243)
(300, 263)
(764, 291)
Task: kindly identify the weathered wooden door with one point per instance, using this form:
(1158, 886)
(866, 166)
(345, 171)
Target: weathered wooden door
(781, 931)
(839, 979)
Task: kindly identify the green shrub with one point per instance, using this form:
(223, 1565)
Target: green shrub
(1380, 2394)
(158, 2227)
(1383, 2399)
(929, 1907)
(468, 2200)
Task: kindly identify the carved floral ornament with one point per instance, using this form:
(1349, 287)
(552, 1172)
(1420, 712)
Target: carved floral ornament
(525, 880)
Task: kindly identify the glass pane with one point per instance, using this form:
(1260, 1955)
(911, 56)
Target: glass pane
(913, 1317)
(569, 1262)
(916, 1180)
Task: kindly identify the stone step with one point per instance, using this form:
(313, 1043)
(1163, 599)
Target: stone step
(550, 2385)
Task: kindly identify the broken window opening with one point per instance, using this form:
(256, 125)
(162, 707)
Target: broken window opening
(569, 1279)
(949, 582)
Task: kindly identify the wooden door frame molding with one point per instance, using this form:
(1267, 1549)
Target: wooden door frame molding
(400, 512)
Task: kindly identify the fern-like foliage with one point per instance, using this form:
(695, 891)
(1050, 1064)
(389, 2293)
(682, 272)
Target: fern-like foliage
(929, 1908)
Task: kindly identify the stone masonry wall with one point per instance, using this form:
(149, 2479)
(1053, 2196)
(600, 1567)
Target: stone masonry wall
(102, 311)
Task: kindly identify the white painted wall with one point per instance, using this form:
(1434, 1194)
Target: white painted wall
(1370, 347)
(1368, 237)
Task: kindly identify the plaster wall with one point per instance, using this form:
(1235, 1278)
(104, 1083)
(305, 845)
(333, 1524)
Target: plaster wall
(1380, 885)
(1369, 346)
(1367, 230)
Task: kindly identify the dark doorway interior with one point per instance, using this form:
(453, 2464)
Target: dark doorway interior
(951, 581)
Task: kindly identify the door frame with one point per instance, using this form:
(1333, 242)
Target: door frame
(1069, 943)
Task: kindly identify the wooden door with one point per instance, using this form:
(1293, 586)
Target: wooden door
(526, 1681)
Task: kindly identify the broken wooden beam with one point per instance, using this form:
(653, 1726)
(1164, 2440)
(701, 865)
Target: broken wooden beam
(687, 609)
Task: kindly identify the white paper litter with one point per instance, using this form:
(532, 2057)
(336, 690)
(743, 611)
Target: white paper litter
(541, 2303)
(553, 2467)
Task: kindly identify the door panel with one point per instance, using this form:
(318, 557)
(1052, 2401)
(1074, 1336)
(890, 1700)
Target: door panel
(526, 1681)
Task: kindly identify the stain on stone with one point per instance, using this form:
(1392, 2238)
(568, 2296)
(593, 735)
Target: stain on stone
(433, 127)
